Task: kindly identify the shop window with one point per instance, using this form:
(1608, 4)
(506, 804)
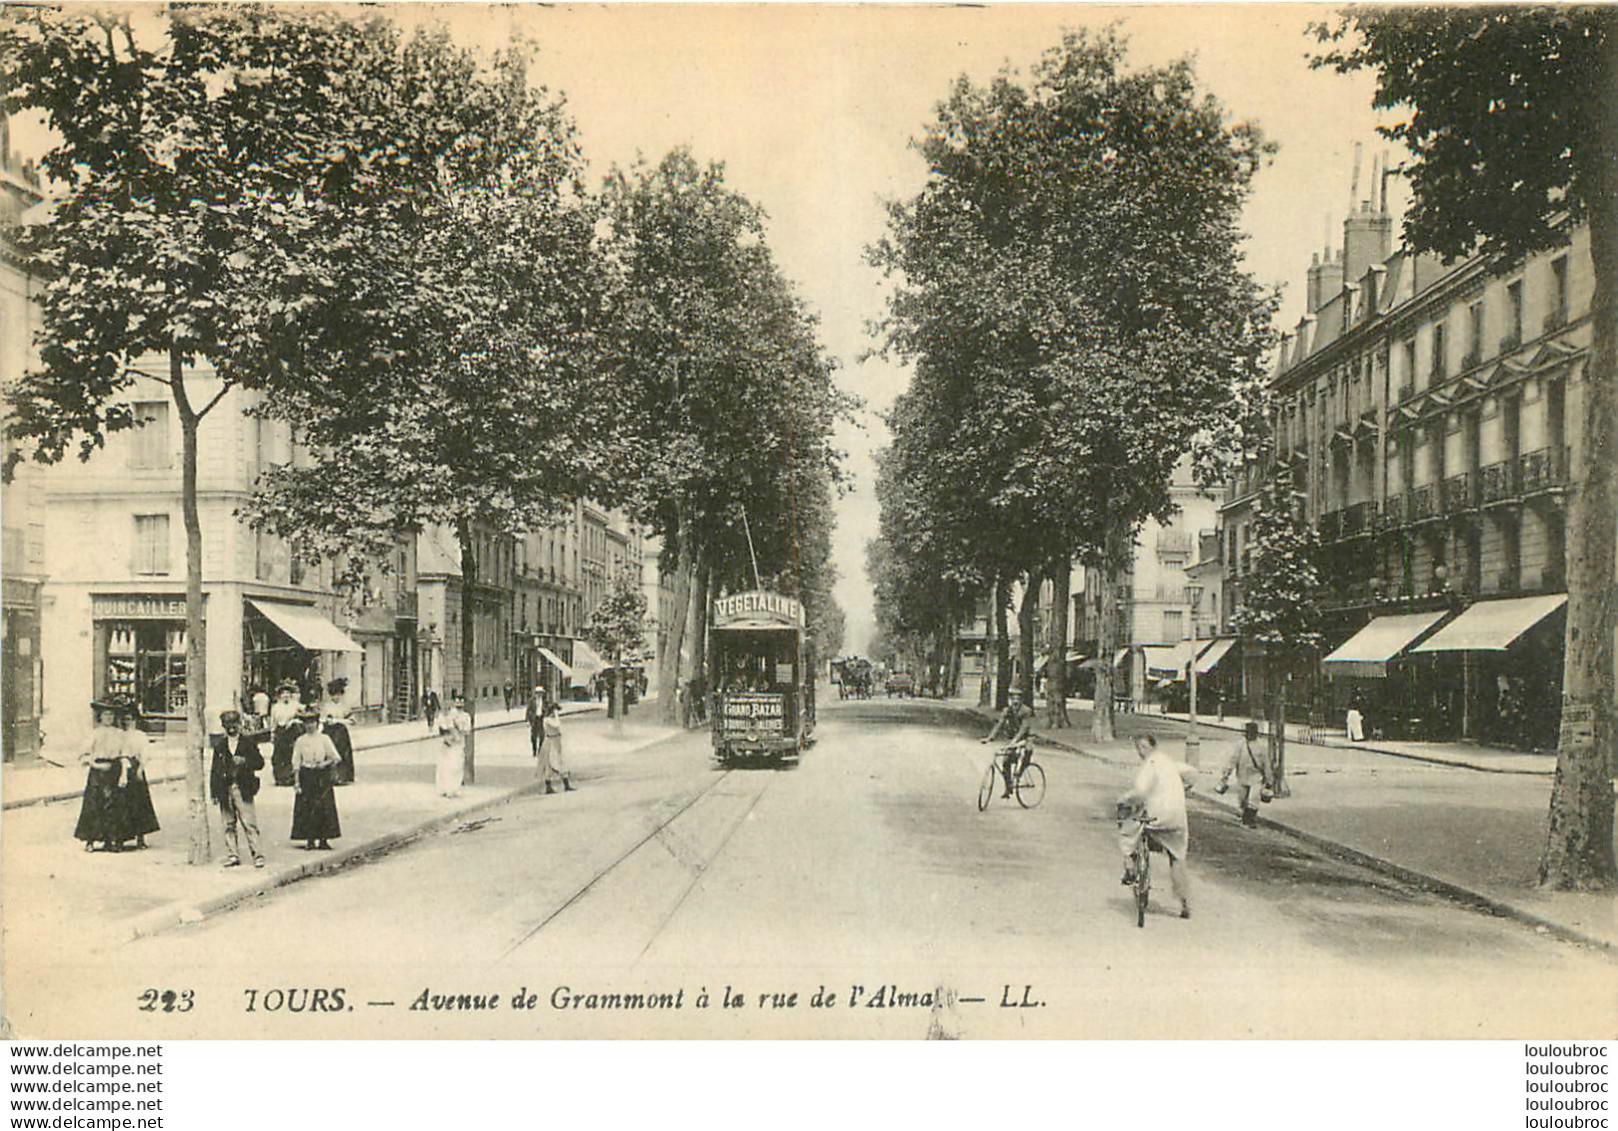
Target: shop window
(146, 662)
(151, 544)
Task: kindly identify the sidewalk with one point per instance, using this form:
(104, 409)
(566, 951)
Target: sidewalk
(105, 899)
(1470, 755)
(37, 780)
(1457, 818)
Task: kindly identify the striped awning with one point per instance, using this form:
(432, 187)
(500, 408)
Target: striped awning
(1492, 626)
(306, 626)
(1369, 650)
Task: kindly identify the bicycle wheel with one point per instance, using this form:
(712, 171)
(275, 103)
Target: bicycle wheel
(991, 778)
(1031, 785)
(1143, 881)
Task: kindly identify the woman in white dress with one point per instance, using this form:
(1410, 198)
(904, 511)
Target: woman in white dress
(453, 726)
(552, 759)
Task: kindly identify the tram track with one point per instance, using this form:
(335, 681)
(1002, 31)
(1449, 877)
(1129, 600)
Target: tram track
(629, 902)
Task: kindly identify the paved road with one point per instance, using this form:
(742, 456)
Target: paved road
(868, 866)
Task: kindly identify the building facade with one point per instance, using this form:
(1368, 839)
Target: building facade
(1430, 413)
(113, 619)
(22, 509)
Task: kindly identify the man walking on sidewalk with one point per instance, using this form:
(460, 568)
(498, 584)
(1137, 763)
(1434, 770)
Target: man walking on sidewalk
(1244, 762)
(234, 783)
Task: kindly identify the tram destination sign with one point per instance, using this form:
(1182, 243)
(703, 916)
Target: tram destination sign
(757, 607)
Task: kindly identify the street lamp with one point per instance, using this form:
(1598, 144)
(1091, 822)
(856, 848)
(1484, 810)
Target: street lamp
(1193, 744)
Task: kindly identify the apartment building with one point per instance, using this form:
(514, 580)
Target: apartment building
(1430, 414)
(22, 512)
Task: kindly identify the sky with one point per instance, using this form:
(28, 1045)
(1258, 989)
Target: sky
(812, 111)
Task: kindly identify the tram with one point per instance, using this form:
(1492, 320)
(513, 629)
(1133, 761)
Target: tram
(763, 702)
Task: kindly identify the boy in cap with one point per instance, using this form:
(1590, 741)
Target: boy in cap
(233, 784)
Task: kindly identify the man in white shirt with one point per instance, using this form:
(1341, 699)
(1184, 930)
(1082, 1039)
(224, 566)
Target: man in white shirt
(1158, 801)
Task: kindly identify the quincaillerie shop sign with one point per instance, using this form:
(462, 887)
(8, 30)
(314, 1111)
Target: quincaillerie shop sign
(137, 606)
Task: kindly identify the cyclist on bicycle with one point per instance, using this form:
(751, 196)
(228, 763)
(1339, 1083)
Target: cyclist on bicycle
(1156, 804)
(1017, 720)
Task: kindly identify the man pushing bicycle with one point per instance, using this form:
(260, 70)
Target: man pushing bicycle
(1017, 720)
(1155, 807)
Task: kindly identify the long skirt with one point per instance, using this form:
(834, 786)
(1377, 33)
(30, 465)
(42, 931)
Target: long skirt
(554, 757)
(338, 733)
(141, 818)
(451, 771)
(314, 809)
(281, 759)
(102, 815)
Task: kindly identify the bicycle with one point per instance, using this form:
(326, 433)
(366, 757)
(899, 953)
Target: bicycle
(1140, 861)
(1028, 784)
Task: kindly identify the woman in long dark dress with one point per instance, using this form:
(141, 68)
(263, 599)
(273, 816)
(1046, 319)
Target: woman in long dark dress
(139, 816)
(314, 809)
(285, 728)
(336, 713)
(101, 813)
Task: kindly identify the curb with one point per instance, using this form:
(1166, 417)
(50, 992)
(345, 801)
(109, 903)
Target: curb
(1475, 900)
(70, 795)
(171, 915)
(1384, 751)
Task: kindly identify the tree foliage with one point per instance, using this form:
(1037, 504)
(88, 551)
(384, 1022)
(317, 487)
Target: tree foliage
(1070, 295)
(731, 395)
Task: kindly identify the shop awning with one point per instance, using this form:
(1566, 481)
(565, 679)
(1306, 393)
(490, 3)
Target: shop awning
(307, 627)
(1492, 626)
(1072, 658)
(555, 661)
(1213, 653)
(1168, 661)
(1368, 651)
(585, 662)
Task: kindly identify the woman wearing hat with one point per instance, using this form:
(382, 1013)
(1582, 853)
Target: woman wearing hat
(139, 816)
(101, 813)
(284, 729)
(335, 715)
(314, 808)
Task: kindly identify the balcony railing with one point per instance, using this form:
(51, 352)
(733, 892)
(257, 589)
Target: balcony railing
(1458, 493)
(1473, 356)
(1555, 320)
(1358, 518)
(1393, 512)
(404, 605)
(1498, 482)
(1422, 503)
(1511, 341)
(1543, 470)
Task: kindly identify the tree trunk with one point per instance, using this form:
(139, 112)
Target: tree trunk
(620, 706)
(1061, 571)
(469, 575)
(990, 651)
(701, 592)
(1025, 636)
(1102, 728)
(1002, 643)
(1579, 852)
(199, 848)
(669, 667)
